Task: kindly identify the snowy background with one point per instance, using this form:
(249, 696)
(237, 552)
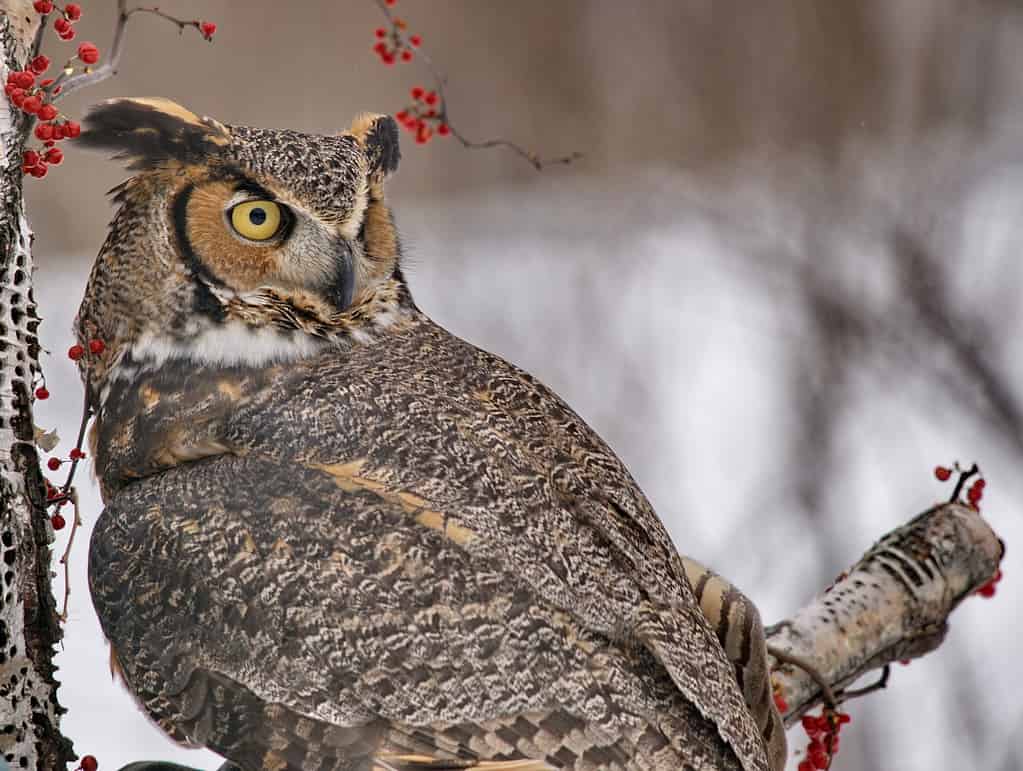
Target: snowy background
(784, 284)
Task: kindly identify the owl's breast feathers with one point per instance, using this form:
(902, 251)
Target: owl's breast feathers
(407, 538)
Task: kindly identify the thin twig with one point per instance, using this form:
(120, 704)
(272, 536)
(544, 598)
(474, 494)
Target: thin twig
(879, 685)
(69, 84)
(798, 661)
(963, 476)
(65, 560)
(444, 115)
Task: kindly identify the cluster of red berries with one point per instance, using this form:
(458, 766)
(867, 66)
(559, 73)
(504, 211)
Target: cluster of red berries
(823, 732)
(76, 351)
(424, 117)
(55, 463)
(975, 491)
(987, 591)
(29, 94)
(54, 497)
(394, 44)
(62, 25)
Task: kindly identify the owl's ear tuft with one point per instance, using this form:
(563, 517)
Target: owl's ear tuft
(379, 137)
(151, 131)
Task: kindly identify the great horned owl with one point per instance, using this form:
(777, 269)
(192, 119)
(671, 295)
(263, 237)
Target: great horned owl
(336, 536)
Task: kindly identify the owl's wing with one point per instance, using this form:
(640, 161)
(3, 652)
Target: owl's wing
(421, 543)
(533, 490)
(311, 618)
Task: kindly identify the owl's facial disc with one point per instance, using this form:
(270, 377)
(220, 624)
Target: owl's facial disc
(239, 235)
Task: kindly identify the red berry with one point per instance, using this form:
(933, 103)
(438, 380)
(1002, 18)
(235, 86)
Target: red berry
(96, 346)
(401, 116)
(42, 393)
(431, 98)
(89, 763)
(417, 92)
(380, 32)
(30, 158)
(415, 41)
(54, 155)
(24, 79)
(44, 131)
(388, 58)
(390, 2)
(43, 6)
(780, 703)
(208, 28)
(32, 104)
(818, 757)
(380, 48)
(843, 718)
(53, 464)
(443, 129)
(72, 129)
(805, 765)
(76, 454)
(423, 135)
(406, 56)
(18, 97)
(67, 34)
(942, 473)
(73, 11)
(39, 65)
(47, 112)
(88, 53)
(61, 25)
(75, 352)
(58, 524)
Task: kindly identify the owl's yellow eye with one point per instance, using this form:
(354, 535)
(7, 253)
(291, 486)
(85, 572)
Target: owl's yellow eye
(256, 220)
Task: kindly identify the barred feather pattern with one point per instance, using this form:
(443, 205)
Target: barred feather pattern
(421, 552)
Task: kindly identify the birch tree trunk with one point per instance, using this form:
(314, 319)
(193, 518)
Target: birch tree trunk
(29, 628)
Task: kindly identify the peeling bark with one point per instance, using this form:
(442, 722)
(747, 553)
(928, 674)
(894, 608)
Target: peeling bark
(892, 605)
(29, 628)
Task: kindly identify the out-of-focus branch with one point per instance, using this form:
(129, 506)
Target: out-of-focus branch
(892, 605)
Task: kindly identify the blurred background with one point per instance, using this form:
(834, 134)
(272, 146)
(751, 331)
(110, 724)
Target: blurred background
(784, 282)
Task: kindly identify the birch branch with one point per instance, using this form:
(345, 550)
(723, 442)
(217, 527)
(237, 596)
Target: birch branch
(892, 605)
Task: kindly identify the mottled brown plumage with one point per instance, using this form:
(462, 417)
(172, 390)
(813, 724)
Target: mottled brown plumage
(335, 534)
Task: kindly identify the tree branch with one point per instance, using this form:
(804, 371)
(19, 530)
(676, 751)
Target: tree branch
(108, 69)
(892, 605)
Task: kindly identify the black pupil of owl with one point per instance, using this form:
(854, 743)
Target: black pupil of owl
(257, 216)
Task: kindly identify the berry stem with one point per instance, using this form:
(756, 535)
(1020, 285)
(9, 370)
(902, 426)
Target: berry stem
(963, 476)
(798, 661)
(65, 559)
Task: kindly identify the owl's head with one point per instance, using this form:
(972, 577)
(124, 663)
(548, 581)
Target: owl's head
(240, 245)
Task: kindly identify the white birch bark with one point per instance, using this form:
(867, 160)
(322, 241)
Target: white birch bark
(29, 712)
